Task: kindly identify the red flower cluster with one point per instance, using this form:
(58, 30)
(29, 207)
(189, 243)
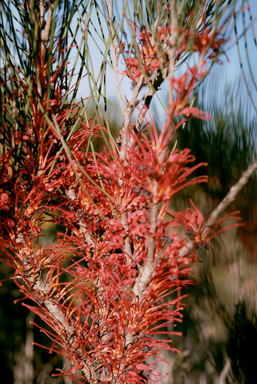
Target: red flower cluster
(4, 201)
(152, 51)
(99, 323)
(194, 223)
(206, 40)
(116, 254)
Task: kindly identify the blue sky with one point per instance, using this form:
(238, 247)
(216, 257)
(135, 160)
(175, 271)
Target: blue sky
(232, 69)
(219, 79)
(222, 76)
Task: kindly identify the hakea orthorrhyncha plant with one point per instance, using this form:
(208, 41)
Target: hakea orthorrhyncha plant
(153, 53)
(112, 280)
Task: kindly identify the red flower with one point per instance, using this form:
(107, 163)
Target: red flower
(4, 201)
(151, 53)
(194, 223)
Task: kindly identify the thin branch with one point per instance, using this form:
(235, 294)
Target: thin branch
(125, 139)
(41, 286)
(144, 110)
(41, 13)
(147, 272)
(153, 85)
(145, 276)
(223, 205)
(232, 194)
(54, 311)
(172, 51)
(114, 57)
(45, 32)
(225, 372)
(153, 88)
(127, 109)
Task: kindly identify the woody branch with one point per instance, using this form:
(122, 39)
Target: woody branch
(228, 199)
(146, 274)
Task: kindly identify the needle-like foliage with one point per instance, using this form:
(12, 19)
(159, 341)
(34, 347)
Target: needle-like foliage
(111, 282)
